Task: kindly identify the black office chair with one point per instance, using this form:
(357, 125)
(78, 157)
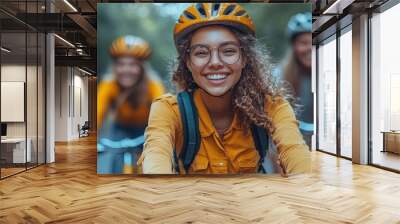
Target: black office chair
(84, 130)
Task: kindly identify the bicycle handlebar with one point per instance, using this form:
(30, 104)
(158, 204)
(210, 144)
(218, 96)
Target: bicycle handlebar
(119, 146)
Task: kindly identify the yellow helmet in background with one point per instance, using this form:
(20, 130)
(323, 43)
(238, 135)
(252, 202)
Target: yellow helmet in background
(203, 14)
(130, 46)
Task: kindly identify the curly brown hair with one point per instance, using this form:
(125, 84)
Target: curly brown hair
(256, 81)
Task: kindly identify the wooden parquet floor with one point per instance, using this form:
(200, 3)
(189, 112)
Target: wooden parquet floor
(70, 191)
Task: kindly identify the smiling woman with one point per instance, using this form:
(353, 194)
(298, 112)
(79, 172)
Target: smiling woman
(229, 107)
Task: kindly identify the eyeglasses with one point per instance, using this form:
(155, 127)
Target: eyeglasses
(200, 55)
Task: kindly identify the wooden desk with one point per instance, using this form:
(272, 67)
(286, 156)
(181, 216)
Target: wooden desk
(391, 141)
(16, 147)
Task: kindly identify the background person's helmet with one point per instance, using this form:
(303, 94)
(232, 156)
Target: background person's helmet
(203, 14)
(299, 23)
(130, 46)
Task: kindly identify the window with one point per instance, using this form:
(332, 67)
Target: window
(385, 89)
(346, 93)
(327, 96)
(23, 77)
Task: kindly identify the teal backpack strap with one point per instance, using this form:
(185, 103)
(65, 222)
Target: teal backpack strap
(191, 133)
(261, 141)
(191, 136)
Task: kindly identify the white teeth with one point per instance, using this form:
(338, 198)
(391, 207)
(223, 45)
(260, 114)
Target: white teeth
(216, 76)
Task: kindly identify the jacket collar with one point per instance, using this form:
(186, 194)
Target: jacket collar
(206, 125)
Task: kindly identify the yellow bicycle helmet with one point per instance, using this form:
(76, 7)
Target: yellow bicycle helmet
(130, 46)
(203, 14)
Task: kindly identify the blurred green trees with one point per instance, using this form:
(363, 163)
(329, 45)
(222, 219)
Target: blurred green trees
(155, 22)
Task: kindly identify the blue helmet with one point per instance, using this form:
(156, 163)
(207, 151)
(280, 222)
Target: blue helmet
(299, 23)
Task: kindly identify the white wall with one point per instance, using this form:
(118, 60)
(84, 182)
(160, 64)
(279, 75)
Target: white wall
(71, 94)
(80, 110)
(33, 126)
(61, 103)
(12, 73)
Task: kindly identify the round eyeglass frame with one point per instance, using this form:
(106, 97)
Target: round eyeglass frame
(188, 51)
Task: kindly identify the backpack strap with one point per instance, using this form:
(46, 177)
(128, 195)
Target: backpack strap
(191, 136)
(191, 133)
(261, 141)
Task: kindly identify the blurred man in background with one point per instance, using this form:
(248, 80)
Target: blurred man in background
(123, 106)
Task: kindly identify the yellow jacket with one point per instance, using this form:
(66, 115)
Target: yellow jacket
(236, 153)
(108, 92)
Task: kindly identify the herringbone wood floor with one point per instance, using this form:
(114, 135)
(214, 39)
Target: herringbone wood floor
(69, 191)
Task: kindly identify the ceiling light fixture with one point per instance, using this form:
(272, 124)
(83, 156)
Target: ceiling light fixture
(337, 7)
(65, 41)
(5, 50)
(84, 71)
(333, 6)
(70, 5)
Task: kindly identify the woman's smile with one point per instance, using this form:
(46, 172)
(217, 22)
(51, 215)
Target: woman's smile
(217, 78)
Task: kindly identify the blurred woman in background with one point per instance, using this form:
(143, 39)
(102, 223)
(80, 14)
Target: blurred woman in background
(297, 71)
(124, 104)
